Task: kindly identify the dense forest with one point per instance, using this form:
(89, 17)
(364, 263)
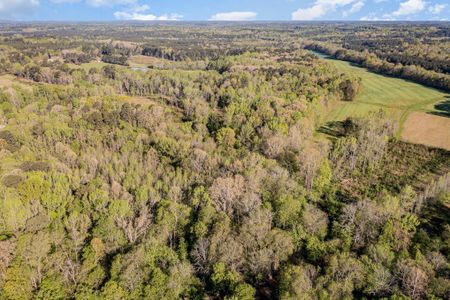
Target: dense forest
(189, 161)
(378, 65)
(409, 43)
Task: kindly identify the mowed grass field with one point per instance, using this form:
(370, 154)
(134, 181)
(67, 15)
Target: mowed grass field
(399, 99)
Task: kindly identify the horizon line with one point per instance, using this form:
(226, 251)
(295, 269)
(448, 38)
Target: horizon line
(220, 21)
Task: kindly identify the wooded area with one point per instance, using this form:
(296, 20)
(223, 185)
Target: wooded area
(205, 174)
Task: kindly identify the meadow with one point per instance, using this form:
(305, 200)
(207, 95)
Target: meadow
(399, 98)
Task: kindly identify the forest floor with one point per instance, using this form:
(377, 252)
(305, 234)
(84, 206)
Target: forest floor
(422, 113)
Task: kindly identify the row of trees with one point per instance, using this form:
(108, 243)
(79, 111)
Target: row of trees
(375, 64)
(402, 50)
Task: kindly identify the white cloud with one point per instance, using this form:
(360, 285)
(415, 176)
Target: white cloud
(354, 9)
(139, 8)
(234, 16)
(121, 15)
(98, 3)
(437, 8)
(131, 10)
(320, 8)
(141, 13)
(314, 12)
(12, 8)
(409, 7)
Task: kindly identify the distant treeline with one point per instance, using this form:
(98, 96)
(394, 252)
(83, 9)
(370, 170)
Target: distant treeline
(394, 50)
(375, 64)
(195, 53)
(119, 54)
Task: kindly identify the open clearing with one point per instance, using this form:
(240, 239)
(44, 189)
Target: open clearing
(143, 60)
(398, 98)
(7, 81)
(427, 129)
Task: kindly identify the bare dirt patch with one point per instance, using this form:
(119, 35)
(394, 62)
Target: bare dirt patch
(427, 129)
(145, 60)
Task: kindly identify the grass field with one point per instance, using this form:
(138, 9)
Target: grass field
(398, 98)
(427, 129)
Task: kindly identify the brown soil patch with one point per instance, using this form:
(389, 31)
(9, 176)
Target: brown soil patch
(427, 129)
(145, 60)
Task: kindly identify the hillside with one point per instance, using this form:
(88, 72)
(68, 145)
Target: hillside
(189, 161)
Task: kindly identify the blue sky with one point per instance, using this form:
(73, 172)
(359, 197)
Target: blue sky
(237, 10)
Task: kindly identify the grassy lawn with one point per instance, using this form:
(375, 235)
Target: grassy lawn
(396, 96)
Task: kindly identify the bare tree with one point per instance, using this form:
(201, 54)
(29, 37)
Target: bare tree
(363, 219)
(226, 191)
(7, 248)
(36, 257)
(413, 279)
(200, 256)
(77, 226)
(136, 225)
(309, 159)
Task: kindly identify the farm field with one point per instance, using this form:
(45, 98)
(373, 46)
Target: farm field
(399, 99)
(427, 129)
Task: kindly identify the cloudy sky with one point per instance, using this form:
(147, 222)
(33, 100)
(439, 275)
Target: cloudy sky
(223, 10)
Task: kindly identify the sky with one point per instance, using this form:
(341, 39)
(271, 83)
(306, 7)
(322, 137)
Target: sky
(223, 10)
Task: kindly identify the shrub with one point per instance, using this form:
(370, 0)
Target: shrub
(12, 180)
(30, 166)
